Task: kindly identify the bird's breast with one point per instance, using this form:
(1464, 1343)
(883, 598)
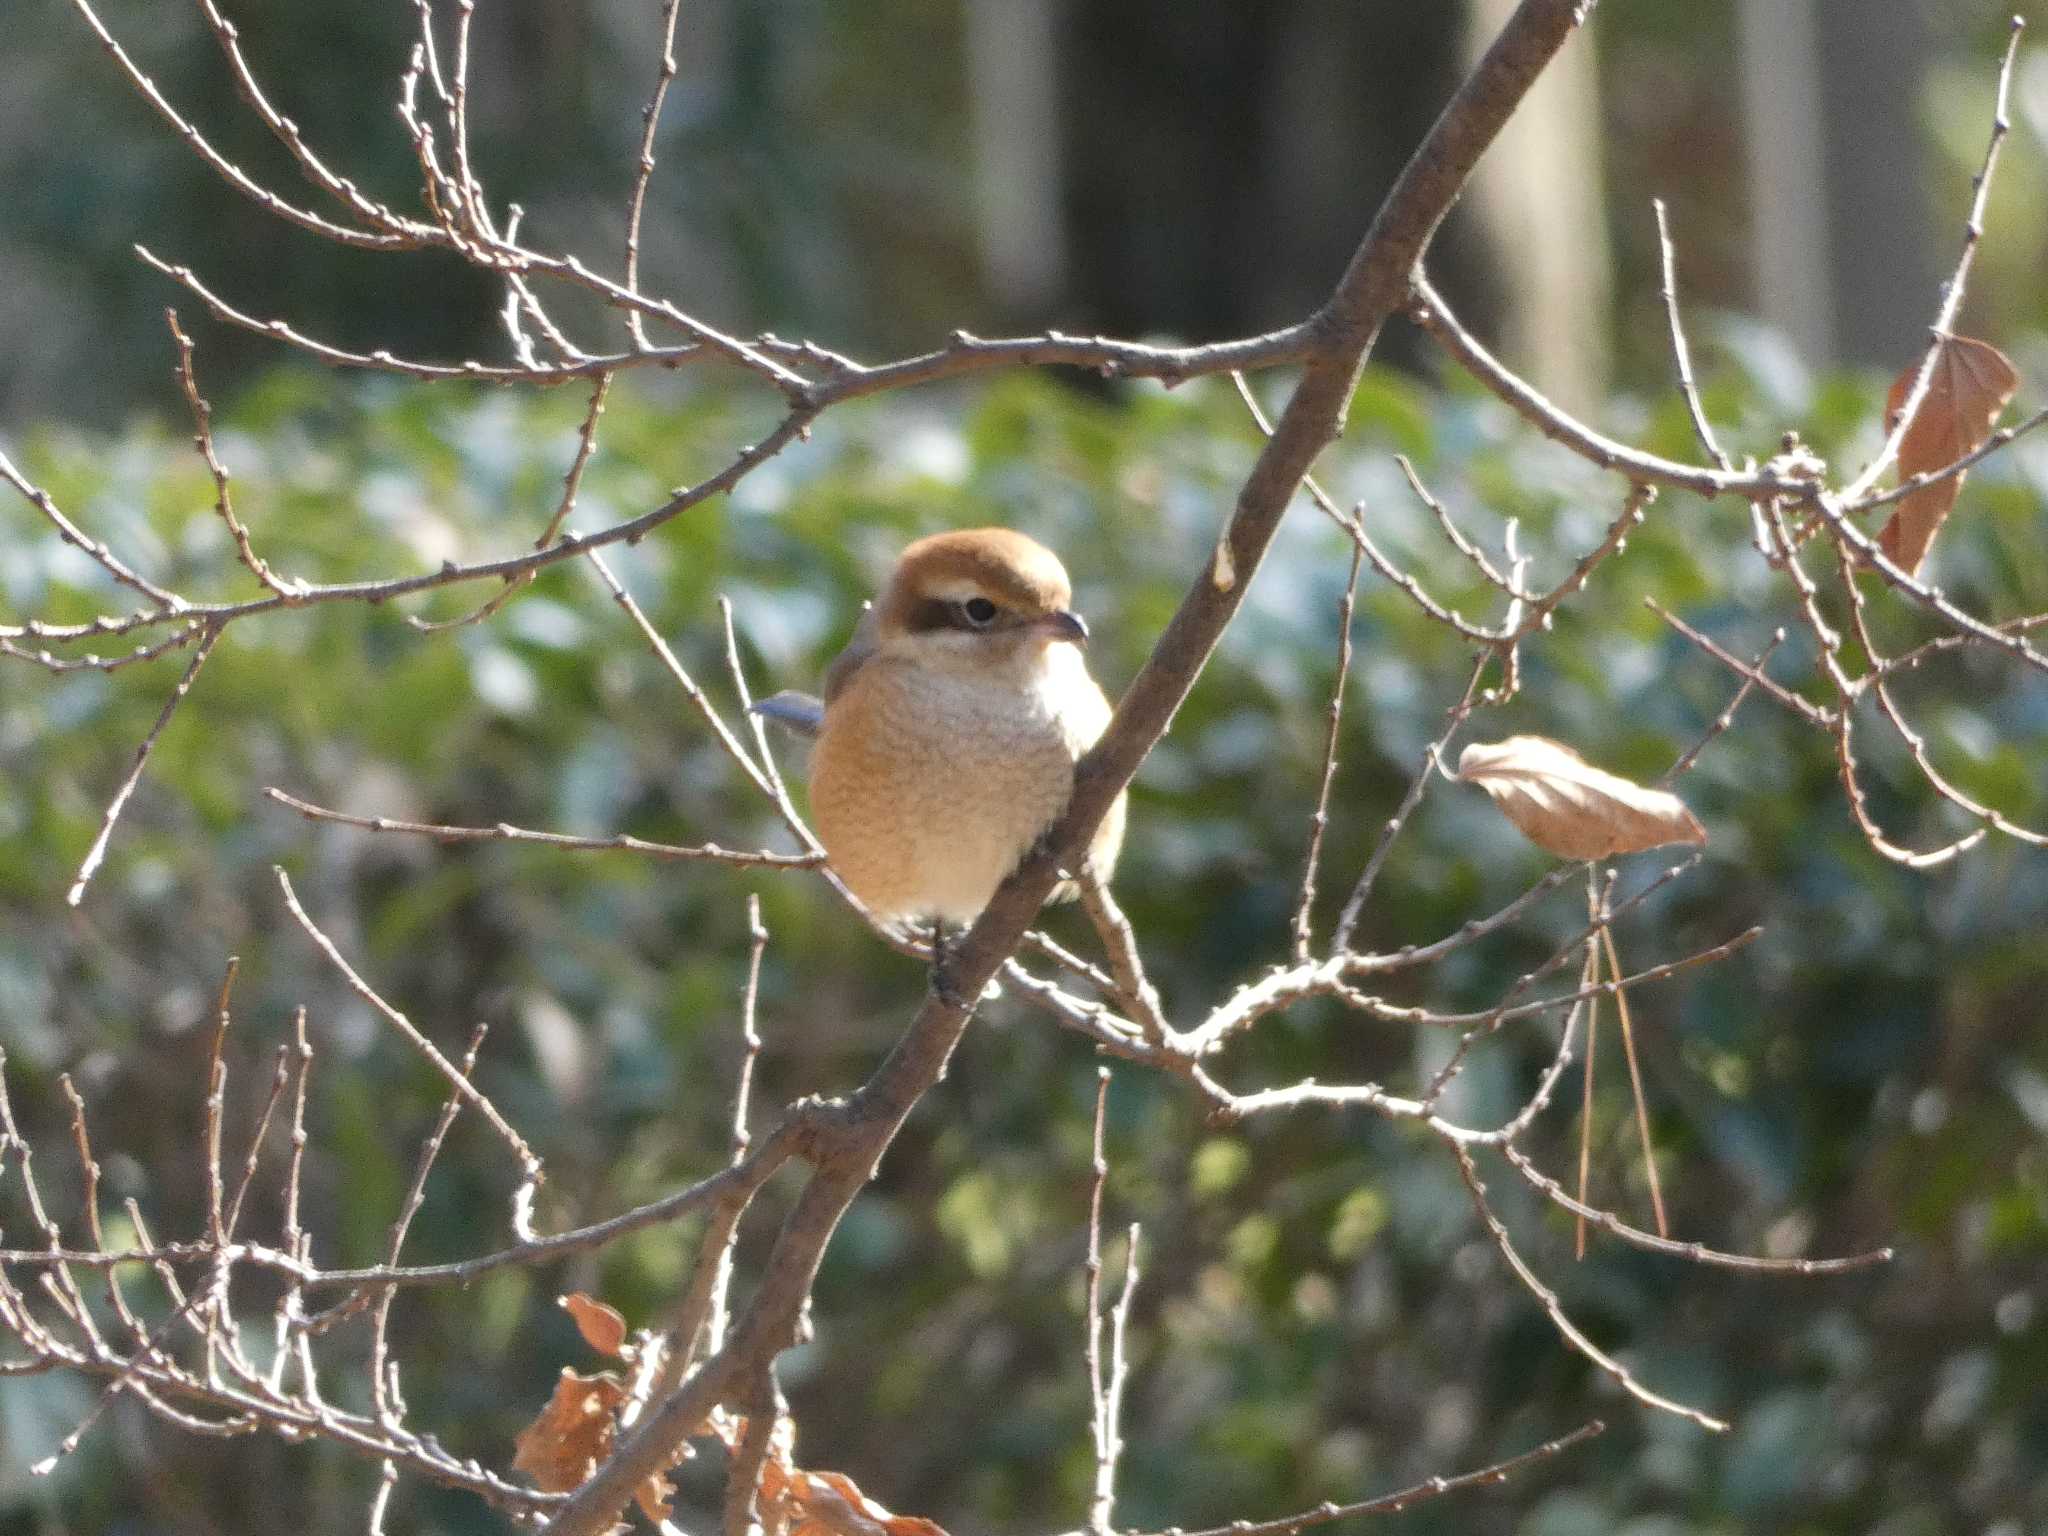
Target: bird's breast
(929, 786)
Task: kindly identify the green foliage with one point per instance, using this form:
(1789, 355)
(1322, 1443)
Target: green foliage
(1320, 1317)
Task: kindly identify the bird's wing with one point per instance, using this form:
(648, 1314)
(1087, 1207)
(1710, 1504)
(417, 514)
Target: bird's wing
(804, 713)
(856, 655)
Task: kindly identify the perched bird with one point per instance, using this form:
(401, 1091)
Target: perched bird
(950, 727)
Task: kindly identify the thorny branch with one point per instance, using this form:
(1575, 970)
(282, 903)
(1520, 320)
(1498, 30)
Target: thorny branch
(721, 1350)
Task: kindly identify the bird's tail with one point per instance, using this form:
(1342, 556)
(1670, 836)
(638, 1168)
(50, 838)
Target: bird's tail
(797, 711)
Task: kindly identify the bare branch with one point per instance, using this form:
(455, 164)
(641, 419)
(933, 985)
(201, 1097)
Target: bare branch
(1681, 353)
(1459, 542)
(529, 1164)
(1407, 1498)
(168, 604)
(1102, 1426)
(398, 237)
(1431, 765)
(1751, 677)
(376, 216)
(1752, 673)
(1952, 291)
(1566, 1328)
(1635, 1077)
(643, 171)
(1697, 1253)
(202, 421)
(177, 640)
(1320, 821)
(742, 1101)
(1993, 444)
(1430, 311)
(506, 833)
(218, 615)
(89, 865)
(1120, 942)
(388, 1415)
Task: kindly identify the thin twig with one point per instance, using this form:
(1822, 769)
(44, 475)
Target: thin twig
(1407, 1498)
(643, 170)
(1952, 291)
(1534, 613)
(1320, 821)
(202, 423)
(696, 695)
(1681, 353)
(1490, 1021)
(219, 1315)
(218, 615)
(376, 240)
(1432, 763)
(717, 1318)
(168, 604)
(504, 832)
(1459, 542)
(1566, 1328)
(764, 752)
(796, 1132)
(280, 1076)
(1721, 722)
(1126, 963)
(1991, 445)
(380, 1317)
(529, 1164)
(376, 215)
(572, 486)
(1751, 673)
(1353, 526)
(177, 640)
(1105, 1382)
(1697, 1253)
(94, 855)
(290, 1336)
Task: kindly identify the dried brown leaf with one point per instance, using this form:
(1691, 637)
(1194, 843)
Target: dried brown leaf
(1566, 806)
(573, 1435)
(800, 1503)
(653, 1498)
(830, 1504)
(603, 1329)
(1970, 387)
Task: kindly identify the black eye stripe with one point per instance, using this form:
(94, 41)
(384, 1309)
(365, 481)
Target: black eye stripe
(935, 613)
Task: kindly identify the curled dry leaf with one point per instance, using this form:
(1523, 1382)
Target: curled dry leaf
(603, 1329)
(1566, 806)
(829, 1504)
(573, 1437)
(574, 1433)
(1970, 387)
(800, 1503)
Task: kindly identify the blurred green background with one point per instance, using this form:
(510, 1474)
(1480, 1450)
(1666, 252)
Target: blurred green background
(1321, 1316)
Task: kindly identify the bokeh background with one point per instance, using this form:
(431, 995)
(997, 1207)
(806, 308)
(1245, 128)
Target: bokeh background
(1321, 1317)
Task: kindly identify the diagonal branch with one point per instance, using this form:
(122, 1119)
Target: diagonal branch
(1373, 286)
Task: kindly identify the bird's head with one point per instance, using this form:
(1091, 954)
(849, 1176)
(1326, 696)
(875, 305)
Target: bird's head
(978, 597)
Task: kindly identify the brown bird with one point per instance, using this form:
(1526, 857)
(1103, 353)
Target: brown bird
(950, 727)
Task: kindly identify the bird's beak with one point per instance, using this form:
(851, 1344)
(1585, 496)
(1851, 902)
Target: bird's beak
(1065, 624)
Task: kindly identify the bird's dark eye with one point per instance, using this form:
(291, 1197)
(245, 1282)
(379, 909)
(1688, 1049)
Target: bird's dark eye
(979, 612)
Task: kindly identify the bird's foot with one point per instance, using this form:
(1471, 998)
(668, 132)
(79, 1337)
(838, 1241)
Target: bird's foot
(942, 970)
